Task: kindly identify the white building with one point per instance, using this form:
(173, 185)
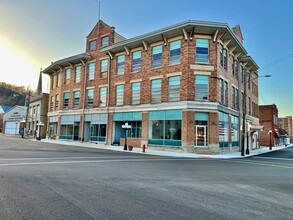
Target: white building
(14, 119)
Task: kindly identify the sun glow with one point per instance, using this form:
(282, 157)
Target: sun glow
(16, 68)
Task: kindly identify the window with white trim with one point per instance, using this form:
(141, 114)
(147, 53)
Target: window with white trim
(157, 56)
(201, 87)
(90, 98)
(174, 52)
(156, 91)
(136, 61)
(91, 71)
(120, 64)
(119, 94)
(174, 88)
(103, 96)
(135, 90)
(77, 74)
(202, 50)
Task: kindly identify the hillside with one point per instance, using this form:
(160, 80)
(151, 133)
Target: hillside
(12, 95)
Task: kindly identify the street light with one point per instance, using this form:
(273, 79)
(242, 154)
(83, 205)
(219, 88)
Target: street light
(126, 127)
(244, 112)
(270, 132)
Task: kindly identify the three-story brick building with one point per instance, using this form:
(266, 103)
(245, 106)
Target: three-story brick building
(180, 88)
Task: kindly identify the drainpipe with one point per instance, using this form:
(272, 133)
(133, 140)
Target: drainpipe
(84, 94)
(108, 96)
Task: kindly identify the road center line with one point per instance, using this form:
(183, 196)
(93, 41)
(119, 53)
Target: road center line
(88, 161)
(60, 158)
(273, 158)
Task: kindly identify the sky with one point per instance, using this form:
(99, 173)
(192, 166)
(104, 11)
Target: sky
(35, 32)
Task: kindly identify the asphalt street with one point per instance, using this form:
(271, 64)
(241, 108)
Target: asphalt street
(49, 181)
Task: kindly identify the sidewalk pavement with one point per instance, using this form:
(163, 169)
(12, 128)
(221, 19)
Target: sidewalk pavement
(261, 150)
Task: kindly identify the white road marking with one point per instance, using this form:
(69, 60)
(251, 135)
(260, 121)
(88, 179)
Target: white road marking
(59, 158)
(86, 161)
(261, 163)
(273, 158)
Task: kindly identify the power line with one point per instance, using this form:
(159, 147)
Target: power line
(286, 57)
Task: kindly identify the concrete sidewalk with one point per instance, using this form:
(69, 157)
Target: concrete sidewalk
(258, 151)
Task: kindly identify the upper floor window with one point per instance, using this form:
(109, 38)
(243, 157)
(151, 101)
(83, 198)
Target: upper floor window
(156, 91)
(93, 45)
(120, 64)
(77, 74)
(58, 79)
(103, 96)
(236, 69)
(90, 98)
(221, 91)
(241, 74)
(119, 94)
(105, 41)
(201, 87)
(233, 66)
(135, 90)
(51, 103)
(104, 68)
(237, 99)
(91, 71)
(67, 74)
(136, 60)
(233, 97)
(65, 100)
(174, 53)
(56, 102)
(223, 57)
(202, 50)
(76, 95)
(225, 93)
(157, 56)
(174, 88)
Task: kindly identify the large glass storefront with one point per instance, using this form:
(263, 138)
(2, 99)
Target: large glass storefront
(223, 129)
(235, 130)
(132, 118)
(165, 127)
(53, 123)
(201, 129)
(69, 129)
(97, 126)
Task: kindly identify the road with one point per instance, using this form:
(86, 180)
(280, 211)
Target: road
(48, 181)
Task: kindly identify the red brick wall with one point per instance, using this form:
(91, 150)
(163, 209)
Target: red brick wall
(266, 120)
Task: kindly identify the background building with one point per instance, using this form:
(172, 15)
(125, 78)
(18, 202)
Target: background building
(287, 125)
(3, 109)
(180, 88)
(14, 120)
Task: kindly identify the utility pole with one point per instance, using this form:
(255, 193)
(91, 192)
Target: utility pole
(244, 114)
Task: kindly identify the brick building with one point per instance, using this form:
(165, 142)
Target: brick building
(179, 87)
(268, 118)
(287, 125)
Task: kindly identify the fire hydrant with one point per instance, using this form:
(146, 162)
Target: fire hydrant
(143, 148)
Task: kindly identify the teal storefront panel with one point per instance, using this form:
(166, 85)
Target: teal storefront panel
(127, 116)
(201, 116)
(173, 115)
(156, 115)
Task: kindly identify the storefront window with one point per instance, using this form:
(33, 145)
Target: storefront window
(165, 127)
(66, 132)
(135, 131)
(98, 132)
(235, 130)
(223, 129)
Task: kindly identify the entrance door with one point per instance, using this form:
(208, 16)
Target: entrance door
(200, 135)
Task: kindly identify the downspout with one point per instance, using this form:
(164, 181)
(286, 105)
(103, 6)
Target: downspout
(84, 97)
(108, 97)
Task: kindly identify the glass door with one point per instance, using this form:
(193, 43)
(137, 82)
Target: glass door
(200, 135)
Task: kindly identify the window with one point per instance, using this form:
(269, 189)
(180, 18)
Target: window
(249, 105)
(58, 79)
(51, 103)
(157, 56)
(202, 50)
(105, 41)
(52, 81)
(233, 66)
(91, 71)
(235, 130)
(223, 129)
(249, 81)
(56, 102)
(67, 74)
(237, 99)
(92, 45)
(236, 69)
(201, 128)
(135, 89)
(120, 64)
(103, 96)
(65, 100)
(225, 93)
(76, 95)
(77, 74)
(221, 97)
(233, 97)
(241, 74)
(156, 90)
(98, 132)
(104, 68)
(136, 60)
(174, 53)
(223, 57)
(174, 88)
(136, 129)
(90, 98)
(119, 94)
(165, 127)
(201, 87)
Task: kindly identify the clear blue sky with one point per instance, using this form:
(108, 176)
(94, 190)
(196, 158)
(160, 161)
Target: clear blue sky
(35, 32)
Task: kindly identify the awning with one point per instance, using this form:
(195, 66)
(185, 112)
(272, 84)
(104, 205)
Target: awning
(276, 132)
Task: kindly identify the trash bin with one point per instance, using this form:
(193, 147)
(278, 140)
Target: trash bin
(287, 141)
